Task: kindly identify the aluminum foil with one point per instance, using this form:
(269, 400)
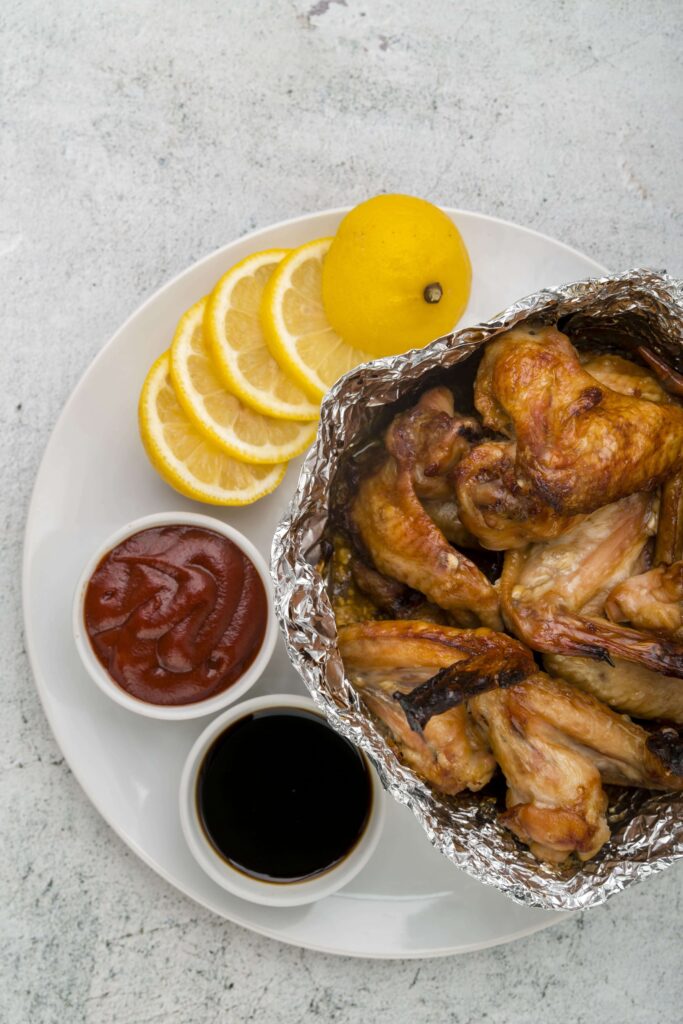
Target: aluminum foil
(647, 828)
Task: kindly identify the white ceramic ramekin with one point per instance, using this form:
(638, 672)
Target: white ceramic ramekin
(181, 711)
(273, 894)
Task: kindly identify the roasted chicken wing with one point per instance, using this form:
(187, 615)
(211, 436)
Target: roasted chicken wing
(498, 505)
(625, 377)
(578, 466)
(489, 660)
(580, 444)
(501, 507)
(401, 538)
(552, 594)
(625, 686)
(651, 601)
(429, 440)
(554, 744)
(628, 378)
(382, 658)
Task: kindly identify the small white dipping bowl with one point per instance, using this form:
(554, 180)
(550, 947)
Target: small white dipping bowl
(178, 712)
(271, 894)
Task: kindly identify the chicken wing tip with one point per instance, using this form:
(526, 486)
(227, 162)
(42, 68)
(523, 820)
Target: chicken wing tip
(667, 745)
(451, 687)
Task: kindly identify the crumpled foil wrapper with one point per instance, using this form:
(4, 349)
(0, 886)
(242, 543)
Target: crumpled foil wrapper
(647, 827)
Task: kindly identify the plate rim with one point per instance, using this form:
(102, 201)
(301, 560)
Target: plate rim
(39, 677)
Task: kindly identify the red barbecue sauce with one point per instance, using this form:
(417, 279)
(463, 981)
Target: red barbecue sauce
(175, 614)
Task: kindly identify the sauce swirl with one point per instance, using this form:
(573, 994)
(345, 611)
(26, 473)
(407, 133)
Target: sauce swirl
(175, 614)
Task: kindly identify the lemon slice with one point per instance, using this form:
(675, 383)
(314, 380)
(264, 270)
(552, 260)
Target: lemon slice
(242, 432)
(244, 361)
(296, 327)
(185, 458)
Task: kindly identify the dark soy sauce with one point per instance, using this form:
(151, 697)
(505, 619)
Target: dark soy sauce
(281, 796)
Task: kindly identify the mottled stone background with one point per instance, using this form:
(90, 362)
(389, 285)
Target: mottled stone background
(136, 137)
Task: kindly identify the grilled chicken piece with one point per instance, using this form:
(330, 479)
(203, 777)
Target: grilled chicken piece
(445, 515)
(624, 377)
(429, 440)
(399, 535)
(552, 594)
(628, 378)
(501, 507)
(382, 658)
(555, 801)
(498, 505)
(404, 543)
(358, 592)
(554, 744)
(651, 601)
(580, 444)
(625, 686)
(490, 661)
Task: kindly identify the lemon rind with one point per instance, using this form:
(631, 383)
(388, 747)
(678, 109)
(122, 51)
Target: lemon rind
(215, 314)
(262, 454)
(172, 471)
(274, 328)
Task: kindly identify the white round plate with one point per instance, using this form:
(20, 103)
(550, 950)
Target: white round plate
(408, 901)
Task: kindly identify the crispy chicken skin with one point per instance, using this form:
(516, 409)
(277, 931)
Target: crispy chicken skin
(406, 544)
(625, 377)
(625, 686)
(389, 649)
(430, 439)
(555, 801)
(651, 601)
(498, 505)
(401, 538)
(552, 594)
(381, 658)
(501, 507)
(410, 652)
(550, 708)
(554, 744)
(580, 444)
(628, 378)
(489, 660)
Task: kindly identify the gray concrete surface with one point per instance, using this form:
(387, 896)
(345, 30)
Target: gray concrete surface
(137, 136)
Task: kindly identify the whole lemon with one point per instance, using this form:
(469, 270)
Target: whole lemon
(397, 275)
